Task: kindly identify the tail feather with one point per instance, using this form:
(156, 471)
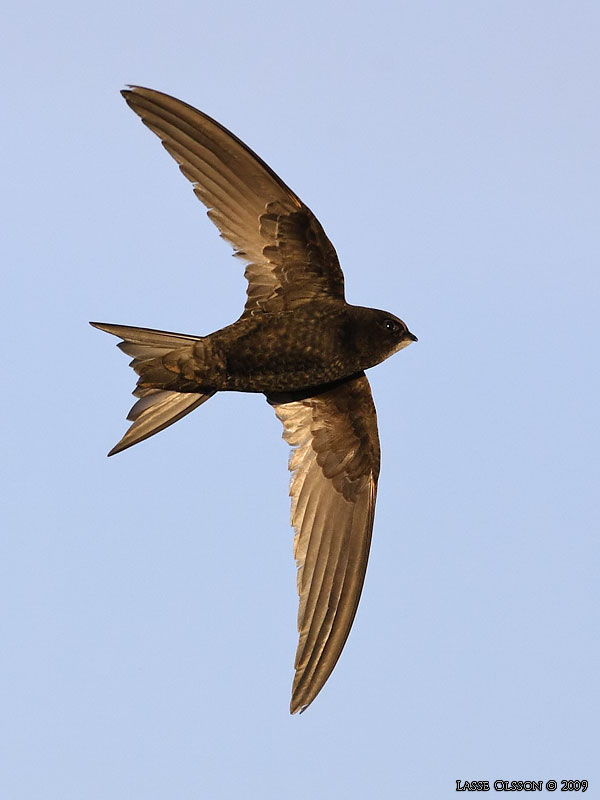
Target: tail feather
(156, 411)
(132, 335)
(156, 408)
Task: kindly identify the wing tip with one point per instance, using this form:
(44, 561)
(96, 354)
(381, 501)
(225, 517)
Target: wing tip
(130, 88)
(298, 708)
(132, 91)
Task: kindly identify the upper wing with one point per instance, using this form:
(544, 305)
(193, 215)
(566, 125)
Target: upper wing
(291, 260)
(335, 466)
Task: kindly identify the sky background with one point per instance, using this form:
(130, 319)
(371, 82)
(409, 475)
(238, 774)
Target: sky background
(451, 152)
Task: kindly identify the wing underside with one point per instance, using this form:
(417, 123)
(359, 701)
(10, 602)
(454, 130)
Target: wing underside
(335, 466)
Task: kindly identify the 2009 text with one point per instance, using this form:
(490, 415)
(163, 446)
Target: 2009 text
(501, 785)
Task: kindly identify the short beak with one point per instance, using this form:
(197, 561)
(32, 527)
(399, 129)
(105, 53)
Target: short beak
(411, 336)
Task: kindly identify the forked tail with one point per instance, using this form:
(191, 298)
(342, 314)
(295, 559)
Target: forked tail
(156, 409)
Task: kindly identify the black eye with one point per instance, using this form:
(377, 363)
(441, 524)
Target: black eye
(390, 325)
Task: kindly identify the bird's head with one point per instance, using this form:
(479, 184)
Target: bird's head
(380, 334)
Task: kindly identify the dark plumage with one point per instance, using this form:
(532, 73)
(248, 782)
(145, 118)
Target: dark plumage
(300, 344)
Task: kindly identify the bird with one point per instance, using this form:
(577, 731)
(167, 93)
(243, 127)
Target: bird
(300, 344)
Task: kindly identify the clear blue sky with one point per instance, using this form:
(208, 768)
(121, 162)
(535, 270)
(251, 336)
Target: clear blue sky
(451, 151)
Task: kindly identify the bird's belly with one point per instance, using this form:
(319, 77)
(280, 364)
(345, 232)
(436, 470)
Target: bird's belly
(282, 372)
(285, 352)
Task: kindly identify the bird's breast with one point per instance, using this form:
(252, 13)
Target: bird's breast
(285, 352)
